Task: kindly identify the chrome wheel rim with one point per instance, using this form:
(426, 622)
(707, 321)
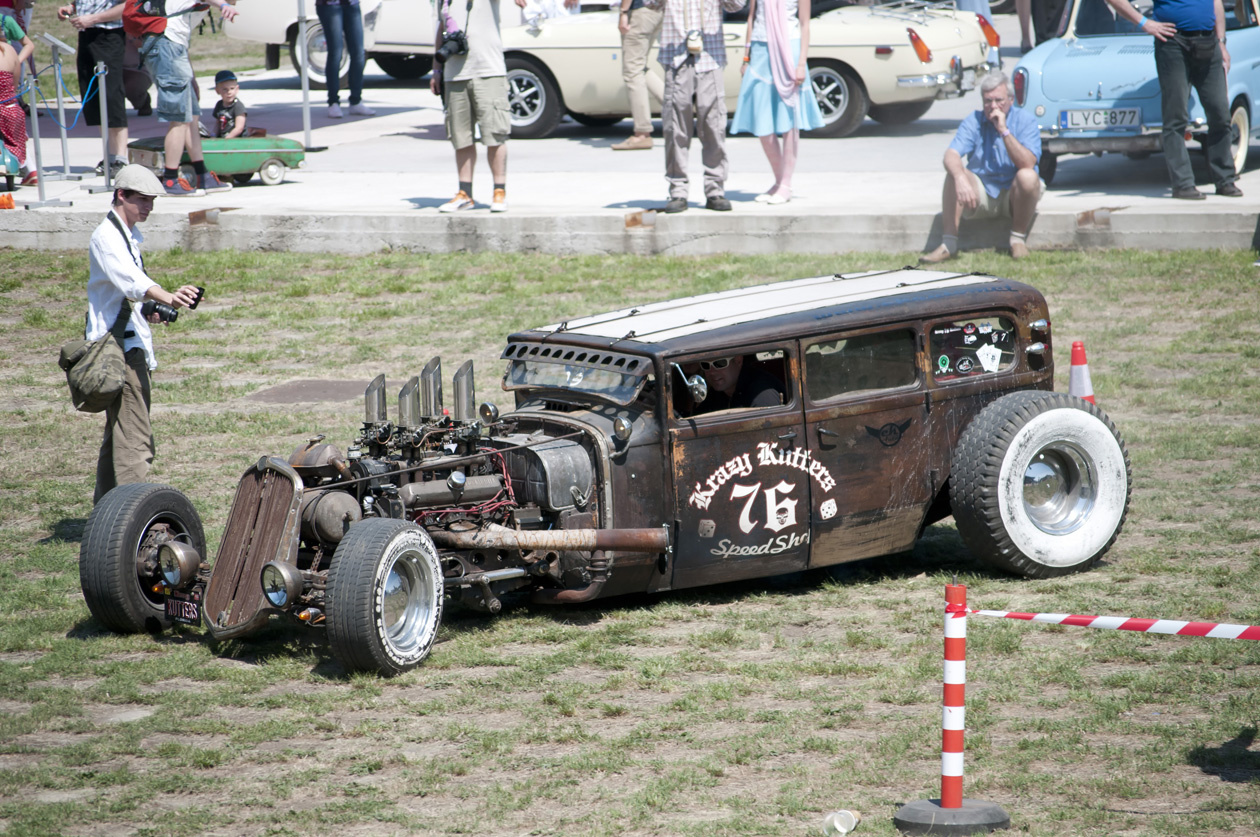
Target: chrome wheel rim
(406, 603)
(526, 97)
(1059, 489)
(832, 93)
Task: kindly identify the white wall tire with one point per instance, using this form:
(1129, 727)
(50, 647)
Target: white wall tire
(385, 595)
(1240, 135)
(1040, 484)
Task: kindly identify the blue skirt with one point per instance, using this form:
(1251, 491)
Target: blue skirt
(760, 111)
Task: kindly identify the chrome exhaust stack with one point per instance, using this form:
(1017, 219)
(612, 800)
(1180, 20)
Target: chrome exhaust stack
(431, 389)
(465, 409)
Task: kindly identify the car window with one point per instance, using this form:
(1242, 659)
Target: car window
(972, 347)
(859, 364)
(747, 381)
(1097, 17)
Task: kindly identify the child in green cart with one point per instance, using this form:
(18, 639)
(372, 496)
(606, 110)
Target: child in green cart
(229, 113)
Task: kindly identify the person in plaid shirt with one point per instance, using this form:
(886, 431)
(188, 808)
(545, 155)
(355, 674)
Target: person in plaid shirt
(694, 71)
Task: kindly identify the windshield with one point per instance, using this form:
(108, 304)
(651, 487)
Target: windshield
(619, 387)
(1097, 18)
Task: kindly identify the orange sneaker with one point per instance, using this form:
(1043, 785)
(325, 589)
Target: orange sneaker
(499, 204)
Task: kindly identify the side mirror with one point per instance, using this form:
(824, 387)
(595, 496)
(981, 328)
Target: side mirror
(696, 385)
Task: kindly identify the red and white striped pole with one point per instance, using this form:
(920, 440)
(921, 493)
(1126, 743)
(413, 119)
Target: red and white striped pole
(952, 814)
(953, 711)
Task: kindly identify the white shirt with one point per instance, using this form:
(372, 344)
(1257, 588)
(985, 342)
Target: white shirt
(179, 27)
(115, 273)
(793, 21)
(484, 58)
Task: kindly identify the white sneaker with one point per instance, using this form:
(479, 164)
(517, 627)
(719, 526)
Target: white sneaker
(499, 204)
(334, 111)
(459, 203)
(361, 110)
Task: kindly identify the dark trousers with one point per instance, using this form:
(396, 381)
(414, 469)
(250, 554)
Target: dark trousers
(1185, 61)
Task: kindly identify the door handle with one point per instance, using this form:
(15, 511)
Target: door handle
(791, 434)
(822, 431)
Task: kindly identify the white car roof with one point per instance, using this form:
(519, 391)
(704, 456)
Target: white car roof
(662, 321)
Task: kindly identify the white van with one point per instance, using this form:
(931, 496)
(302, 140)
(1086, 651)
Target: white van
(398, 34)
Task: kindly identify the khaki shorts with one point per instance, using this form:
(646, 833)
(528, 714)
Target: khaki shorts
(478, 101)
(991, 207)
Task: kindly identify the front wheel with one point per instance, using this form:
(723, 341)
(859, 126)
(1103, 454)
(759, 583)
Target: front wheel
(384, 597)
(532, 98)
(118, 563)
(316, 56)
(272, 172)
(841, 98)
(1240, 135)
(1040, 484)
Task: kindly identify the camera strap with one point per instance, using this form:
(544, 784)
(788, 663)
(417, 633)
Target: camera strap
(136, 255)
(446, 9)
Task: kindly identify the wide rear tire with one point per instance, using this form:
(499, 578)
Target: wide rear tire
(841, 98)
(1040, 484)
(385, 595)
(122, 535)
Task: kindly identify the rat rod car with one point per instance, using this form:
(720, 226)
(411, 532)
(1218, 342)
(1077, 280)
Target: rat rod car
(734, 435)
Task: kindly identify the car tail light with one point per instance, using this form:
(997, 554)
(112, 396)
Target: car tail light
(920, 48)
(990, 33)
(1020, 80)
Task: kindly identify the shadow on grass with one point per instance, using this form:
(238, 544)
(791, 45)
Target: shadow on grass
(1233, 761)
(66, 530)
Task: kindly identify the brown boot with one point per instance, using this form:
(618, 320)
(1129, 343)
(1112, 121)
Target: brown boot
(940, 254)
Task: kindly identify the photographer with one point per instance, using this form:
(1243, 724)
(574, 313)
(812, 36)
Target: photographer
(471, 77)
(116, 279)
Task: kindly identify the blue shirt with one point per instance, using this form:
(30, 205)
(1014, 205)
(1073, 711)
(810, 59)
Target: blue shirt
(1186, 15)
(978, 141)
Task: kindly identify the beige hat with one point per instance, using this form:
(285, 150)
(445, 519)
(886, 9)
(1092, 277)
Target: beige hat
(137, 178)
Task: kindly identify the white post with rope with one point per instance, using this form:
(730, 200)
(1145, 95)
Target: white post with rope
(101, 72)
(58, 47)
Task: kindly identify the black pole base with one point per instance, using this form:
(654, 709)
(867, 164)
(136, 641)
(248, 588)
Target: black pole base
(926, 816)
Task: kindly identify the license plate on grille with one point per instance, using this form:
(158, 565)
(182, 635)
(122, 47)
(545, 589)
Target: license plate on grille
(184, 608)
(1099, 119)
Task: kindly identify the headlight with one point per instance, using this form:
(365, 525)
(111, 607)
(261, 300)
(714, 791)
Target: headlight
(178, 563)
(281, 583)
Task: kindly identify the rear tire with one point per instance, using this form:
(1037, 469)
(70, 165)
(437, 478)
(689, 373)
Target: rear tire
(841, 98)
(385, 595)
(1040, 484)
(122, 532)
(316, 56)
(1240, 131)
(533, 99)
(242, 179)
(595, 121)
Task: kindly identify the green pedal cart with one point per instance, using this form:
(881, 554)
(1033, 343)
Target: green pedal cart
(238, 158)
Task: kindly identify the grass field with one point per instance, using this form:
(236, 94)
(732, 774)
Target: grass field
(745, 709)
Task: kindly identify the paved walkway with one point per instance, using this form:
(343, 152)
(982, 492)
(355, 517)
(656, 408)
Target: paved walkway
(379, 180)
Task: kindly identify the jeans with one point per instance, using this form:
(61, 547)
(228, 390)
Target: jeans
(1184, 61)
(343, 27)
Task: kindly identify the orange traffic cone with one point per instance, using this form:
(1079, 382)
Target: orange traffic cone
(1079, 383)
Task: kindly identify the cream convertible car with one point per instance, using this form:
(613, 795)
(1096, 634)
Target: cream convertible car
(889, 62)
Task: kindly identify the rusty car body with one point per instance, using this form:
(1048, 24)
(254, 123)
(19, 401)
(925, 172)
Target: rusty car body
(889, 400)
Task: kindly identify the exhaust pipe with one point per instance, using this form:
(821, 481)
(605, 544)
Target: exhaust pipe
(431, 389)
(599, 566)
(374, 401)
(464, 396)
(559, 540)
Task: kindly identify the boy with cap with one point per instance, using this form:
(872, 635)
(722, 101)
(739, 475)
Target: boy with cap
(229, 113)
(117, 288)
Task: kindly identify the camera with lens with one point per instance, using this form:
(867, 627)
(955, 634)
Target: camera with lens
(453, 43)
(165, 313)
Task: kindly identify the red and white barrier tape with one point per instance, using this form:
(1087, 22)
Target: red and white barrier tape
(1216, 630)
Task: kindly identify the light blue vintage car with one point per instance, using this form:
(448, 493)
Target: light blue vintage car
(1094, 89)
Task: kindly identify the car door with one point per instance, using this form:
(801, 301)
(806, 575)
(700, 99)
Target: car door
(743, 482)
(403, 24)
(866, 428)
